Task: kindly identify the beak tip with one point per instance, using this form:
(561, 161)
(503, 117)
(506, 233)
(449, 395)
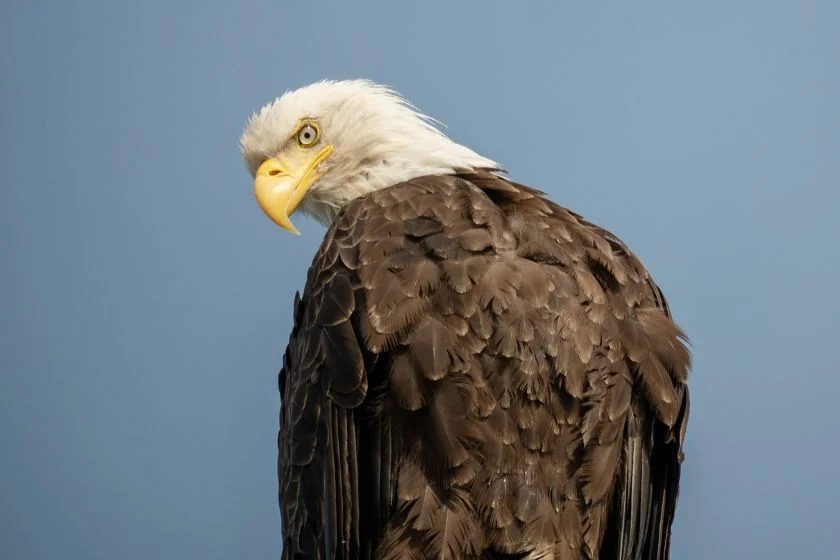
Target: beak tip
(287, 224)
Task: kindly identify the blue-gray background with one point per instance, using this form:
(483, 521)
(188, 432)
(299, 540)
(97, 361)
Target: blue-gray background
(146, 300)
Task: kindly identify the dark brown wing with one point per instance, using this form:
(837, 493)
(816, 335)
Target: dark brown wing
(644, 420)
(645, 488)
(647, 485)
(323, 381)
(476, 372)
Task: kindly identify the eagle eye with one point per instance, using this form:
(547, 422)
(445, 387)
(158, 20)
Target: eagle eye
(308, 134)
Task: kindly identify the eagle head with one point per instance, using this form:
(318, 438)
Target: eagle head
(317, 148)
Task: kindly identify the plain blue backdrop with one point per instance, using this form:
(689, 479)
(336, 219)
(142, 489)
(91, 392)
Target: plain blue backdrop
(146, 299)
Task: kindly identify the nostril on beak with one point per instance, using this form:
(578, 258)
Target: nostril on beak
(274, 172)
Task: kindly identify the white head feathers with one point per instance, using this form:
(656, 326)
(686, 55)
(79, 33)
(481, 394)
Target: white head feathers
(379, 139)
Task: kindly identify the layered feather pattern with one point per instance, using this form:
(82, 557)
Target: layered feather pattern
(476, 372)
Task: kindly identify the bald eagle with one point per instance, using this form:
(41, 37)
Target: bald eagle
(473, 371)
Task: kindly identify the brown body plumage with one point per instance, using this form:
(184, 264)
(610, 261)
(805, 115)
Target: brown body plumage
(476, 372)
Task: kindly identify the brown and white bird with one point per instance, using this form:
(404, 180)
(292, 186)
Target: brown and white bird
(474, 371)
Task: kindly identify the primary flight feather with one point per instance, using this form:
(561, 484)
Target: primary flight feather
(474, 371)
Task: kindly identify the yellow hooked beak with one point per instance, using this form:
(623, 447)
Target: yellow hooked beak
(282, 181)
